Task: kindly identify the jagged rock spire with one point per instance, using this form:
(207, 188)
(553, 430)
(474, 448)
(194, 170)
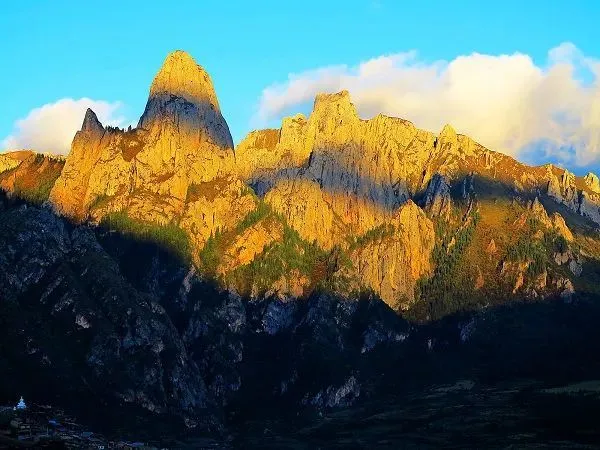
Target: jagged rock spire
(338, 105)
(591, 180)
(182, 77)
(91, 123)
(182, 96)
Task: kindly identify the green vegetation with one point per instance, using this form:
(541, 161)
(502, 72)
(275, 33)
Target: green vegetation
(276, 260)
(527, 249)
(375, 234)
(444, 291)
(38, 193)
(210, 255)
(253, 217)
(560, 243)
(100, 201)
(280, 258)
(170, 236)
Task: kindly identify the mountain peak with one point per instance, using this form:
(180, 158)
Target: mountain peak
(341, 97)
(182, 95)
(91, 122)
(334, 105)
(448, 132)
(182, 77)
(592, 181)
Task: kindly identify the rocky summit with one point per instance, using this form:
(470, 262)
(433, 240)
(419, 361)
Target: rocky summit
(325, 267)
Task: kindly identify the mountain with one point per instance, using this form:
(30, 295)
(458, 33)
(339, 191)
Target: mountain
(341, 181)
(29, 175)
(345, 189)
(176, 166)
(334, 262)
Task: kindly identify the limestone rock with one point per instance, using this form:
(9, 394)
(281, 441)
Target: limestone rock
(183, 100)
(560, 225)
(343, 175)
(392, 264)
(265, 156)
(556, 221)
(218, 205)
(590, 206)
(575, 267)
(10, 160)
(250, 243)
(591, 180)
(181, 145)
(539, 212)
(563, 189)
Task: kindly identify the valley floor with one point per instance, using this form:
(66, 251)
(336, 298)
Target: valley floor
(521, 414)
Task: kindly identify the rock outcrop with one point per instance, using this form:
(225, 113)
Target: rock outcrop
(10, 160)
(391, 263)
(592, 182)
(337, 175)
(31, 176)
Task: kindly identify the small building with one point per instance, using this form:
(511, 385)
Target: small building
(21, 404)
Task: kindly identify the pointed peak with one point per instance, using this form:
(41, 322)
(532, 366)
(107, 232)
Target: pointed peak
(407, 210)
(91, 122)
(538, 210)
(536, 204)
(179, 56)
(448, 131)
(338, 97)
(334, 105)
(591, 180)
(181, 76)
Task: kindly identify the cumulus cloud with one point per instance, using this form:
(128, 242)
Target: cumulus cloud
(51, 127)
(507, 102)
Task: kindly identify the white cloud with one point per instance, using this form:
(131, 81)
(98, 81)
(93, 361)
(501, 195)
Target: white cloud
(506, 102)
(51, 127)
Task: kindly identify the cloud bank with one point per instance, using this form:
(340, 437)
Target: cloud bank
(51, 127)
(506, 102)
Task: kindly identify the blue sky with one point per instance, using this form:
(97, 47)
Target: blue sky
(111, 50)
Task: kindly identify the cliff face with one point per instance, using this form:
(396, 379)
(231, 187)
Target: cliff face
(341, 182)
(390, 263)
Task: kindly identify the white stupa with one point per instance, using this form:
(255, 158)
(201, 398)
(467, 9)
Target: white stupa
(21, 404)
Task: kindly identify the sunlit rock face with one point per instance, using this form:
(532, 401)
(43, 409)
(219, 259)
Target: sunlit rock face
(163, 170)
(183, 102)
(336, 174)
(10, 160)
(391, 263)
(32, 177)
